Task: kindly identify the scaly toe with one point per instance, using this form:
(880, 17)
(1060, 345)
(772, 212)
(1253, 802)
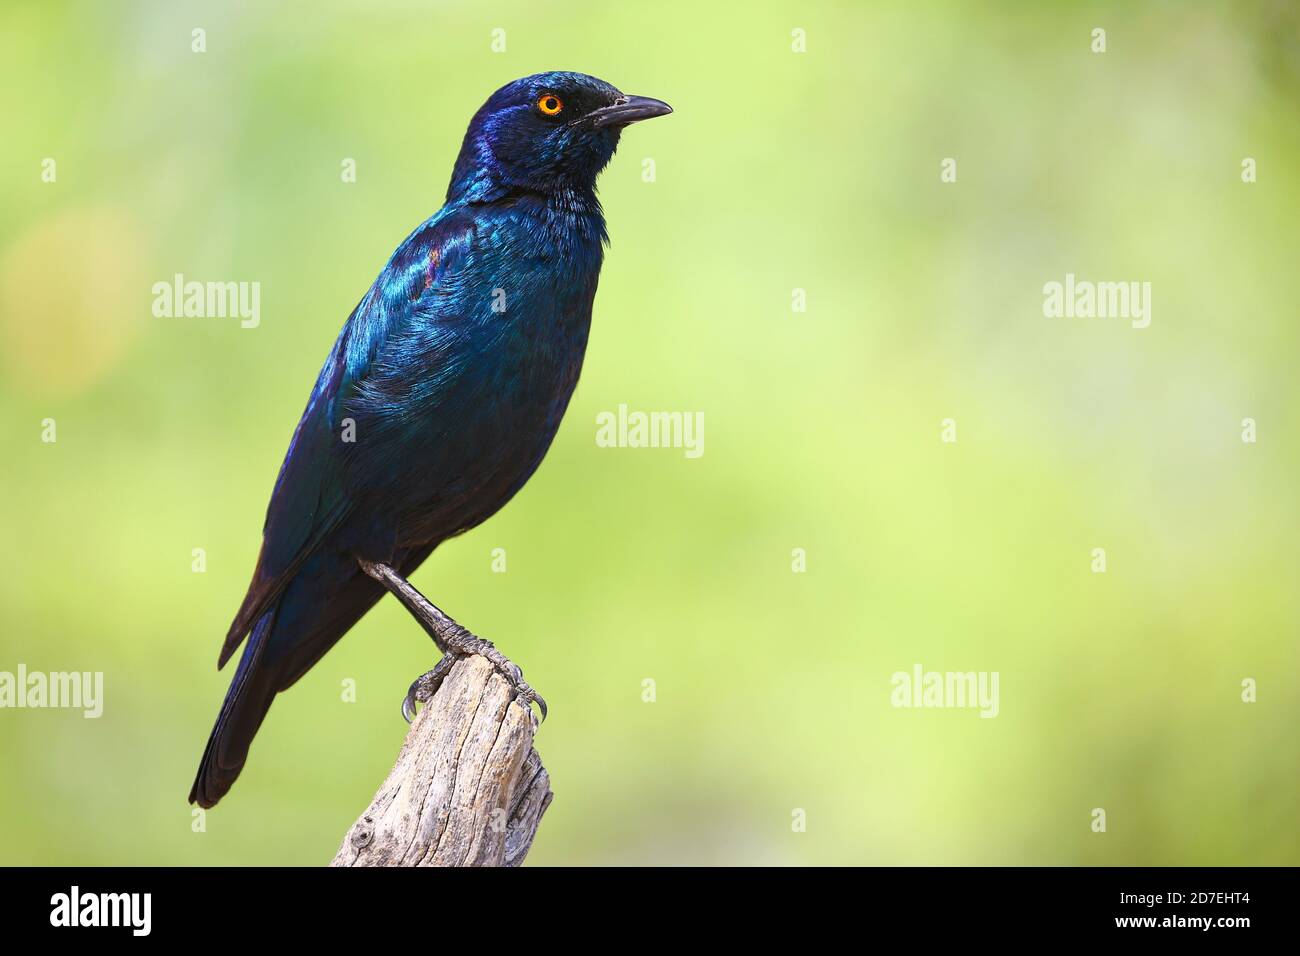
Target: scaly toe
(425, 686)
(529, 696)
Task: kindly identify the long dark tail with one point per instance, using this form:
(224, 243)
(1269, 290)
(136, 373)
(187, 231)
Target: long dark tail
(327, 597)
(249, 698)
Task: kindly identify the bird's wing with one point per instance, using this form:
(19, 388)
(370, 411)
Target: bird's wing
(314, 491)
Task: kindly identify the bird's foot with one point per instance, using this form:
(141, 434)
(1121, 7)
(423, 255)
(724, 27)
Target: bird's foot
(425, 686)
(461, 643)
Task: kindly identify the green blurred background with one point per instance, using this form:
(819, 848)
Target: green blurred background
(779, 170)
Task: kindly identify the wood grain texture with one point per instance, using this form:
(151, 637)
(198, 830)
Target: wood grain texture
(468, 789)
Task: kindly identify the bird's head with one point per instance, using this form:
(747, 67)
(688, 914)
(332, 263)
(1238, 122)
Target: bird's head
(547, 133)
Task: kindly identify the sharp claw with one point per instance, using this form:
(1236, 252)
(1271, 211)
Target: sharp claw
(528, 696)
(424, 687)
(412, 695)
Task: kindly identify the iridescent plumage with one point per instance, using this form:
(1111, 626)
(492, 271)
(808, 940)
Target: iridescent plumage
(450, 376)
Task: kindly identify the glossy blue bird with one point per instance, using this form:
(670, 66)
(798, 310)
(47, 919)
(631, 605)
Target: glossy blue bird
(438, 401)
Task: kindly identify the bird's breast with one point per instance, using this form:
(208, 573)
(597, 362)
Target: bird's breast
(493, 401)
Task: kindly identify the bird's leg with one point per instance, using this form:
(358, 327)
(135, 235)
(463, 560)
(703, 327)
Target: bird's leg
(435, 623)
(453, 641)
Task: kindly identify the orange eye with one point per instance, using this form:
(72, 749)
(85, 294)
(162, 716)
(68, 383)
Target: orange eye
(550, 104)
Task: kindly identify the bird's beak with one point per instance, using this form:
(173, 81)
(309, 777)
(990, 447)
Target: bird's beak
(627, 109)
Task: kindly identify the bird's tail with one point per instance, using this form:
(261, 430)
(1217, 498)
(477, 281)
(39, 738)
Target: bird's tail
(249, 698)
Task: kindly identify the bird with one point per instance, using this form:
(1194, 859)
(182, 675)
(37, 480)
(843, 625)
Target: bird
(437, 402)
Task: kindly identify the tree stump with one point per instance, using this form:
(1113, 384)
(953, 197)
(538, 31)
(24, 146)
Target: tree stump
(468, 789)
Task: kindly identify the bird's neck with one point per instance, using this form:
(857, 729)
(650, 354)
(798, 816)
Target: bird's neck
(568, 224)
(479, 190)
(564, 215)
(578, 207)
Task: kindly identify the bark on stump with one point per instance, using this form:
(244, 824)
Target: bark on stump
(468, 789)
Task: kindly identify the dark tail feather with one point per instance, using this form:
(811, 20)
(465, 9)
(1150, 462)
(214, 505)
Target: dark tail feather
(247, 701)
